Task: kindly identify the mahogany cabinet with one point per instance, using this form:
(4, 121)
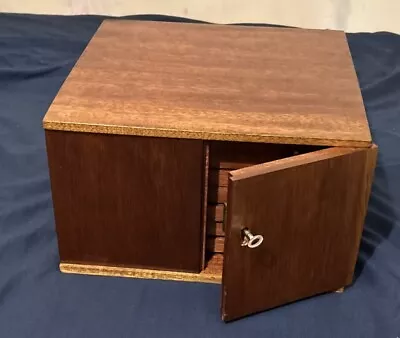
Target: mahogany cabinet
(209, 153)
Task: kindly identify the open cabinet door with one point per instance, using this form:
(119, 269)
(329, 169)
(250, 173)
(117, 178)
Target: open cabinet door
(310, 211)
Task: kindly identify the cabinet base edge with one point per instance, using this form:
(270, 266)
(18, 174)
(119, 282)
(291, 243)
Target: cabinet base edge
(113, 271)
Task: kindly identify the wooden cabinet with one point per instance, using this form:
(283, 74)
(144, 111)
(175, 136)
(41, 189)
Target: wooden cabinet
(219, 154)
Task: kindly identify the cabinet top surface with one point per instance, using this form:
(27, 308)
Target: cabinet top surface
(200, 81)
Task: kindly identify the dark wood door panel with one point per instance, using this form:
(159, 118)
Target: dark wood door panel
(127, 200)
(310, 209)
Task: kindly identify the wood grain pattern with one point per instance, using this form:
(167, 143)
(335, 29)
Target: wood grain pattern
(309, 247)
(211, 274)
(214, 82)
(125, 200)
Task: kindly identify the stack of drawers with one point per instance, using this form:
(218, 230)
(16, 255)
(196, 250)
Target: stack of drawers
(225, 157)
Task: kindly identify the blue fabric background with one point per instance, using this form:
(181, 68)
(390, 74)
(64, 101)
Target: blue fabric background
(36, 300)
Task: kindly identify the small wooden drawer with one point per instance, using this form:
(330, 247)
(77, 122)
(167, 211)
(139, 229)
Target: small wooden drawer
(215, 228)
(219, 177)
(217, 195)
(215, 212)
(215, 244)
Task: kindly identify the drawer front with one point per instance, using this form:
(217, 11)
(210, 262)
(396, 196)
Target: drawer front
(127, 200)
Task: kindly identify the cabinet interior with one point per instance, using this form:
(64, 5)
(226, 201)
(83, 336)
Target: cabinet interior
(224, 157)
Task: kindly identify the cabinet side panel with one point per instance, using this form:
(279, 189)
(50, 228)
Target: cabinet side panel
(127, 200)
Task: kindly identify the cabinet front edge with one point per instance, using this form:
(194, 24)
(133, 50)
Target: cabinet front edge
(203, 135)
(114, 271)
